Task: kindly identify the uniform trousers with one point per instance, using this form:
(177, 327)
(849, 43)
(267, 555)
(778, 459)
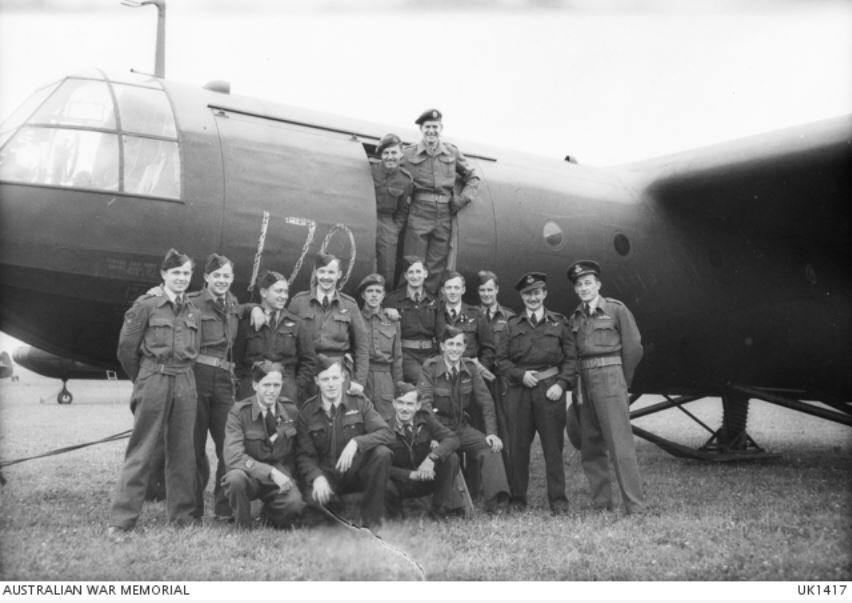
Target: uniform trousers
(427, 236)
(412, 363)
(279, 508)
(380, 389)
(492, 474)
(163, 417)
(387, 241)
(528, 410)
(444, 495)
(602, 425)
(369, 473)
(215, 398)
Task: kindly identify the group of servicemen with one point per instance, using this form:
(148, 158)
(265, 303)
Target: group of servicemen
(310, 400)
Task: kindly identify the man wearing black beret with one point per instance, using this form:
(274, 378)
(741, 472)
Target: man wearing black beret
(435, 166)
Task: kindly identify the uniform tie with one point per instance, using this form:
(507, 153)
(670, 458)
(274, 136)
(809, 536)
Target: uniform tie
(220, 302)
(454, 374)
(269, 420)
(325, 302)
(178, 304)
(533, 320)
(417, 298)
(408, 431)
(453, 314)
(588, 309)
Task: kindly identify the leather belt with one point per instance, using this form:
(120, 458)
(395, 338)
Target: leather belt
(424, 196)
(599, 361)
(165, 368)
(547, 373)
(215, 362)
(418, 344)
(379, 368)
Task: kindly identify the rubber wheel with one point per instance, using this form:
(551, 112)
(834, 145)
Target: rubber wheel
(64, 397)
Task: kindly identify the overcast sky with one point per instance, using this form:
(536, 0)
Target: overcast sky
(607, 81)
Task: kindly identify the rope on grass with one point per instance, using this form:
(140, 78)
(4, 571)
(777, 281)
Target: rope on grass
(113, 438)
(362, 530)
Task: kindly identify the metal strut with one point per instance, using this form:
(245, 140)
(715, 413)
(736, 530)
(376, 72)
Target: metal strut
(732, 437)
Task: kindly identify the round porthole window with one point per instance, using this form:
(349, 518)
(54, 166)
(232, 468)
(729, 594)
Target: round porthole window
(553, 235)
(622, 244)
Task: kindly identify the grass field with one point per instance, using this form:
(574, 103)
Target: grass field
(781, 519)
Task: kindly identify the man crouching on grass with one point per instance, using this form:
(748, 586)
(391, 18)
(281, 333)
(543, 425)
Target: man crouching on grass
(260, 451)
(418, 469)
(343, 445)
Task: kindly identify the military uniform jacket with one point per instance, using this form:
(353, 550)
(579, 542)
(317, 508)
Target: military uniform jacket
(393, 191)
(478, 337)
(408, 453)
(336, 331)
(287, 341)
(247, 445)
(450, 401)
(385, 342)
(436, 173)
(533, 348)
(218, 322)
(612, 330)
(422, 320)
(322, 438)
(155, 329)
(497, 322)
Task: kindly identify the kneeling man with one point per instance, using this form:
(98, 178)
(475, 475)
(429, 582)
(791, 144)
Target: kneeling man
(418, 469)
(450, 386)
(260, 451)
(343, 445)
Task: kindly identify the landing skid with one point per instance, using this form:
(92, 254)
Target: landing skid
(731, 442)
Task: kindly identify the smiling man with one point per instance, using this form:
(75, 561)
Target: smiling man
(343, 445)
(393, 187)
(435, 166)
(451, 386)
(423, 456)
(333, 318)
(260, 452)
(536, 358)
(609, 348)
(157, 347)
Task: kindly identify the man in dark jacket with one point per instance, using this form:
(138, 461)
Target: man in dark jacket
(418, 469)
(260, 451)
(343, 445)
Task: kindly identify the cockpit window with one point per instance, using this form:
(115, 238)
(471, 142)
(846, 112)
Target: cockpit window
(152, 167)
(74, 134)
(62, 157)
(144, 111)
(78, 103)
(7, 128)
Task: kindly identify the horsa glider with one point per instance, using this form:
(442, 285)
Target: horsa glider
(732, 257)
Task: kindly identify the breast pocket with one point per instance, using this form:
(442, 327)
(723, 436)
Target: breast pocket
(519, 345)
(319, 436)
(353, 425)
(604, 332)
(340, 327)
(191, 336)
(160, 332)
(385, 339)
(447, 167)
(442, 399)
(212, 329)
(285, 343)
(255, 441)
